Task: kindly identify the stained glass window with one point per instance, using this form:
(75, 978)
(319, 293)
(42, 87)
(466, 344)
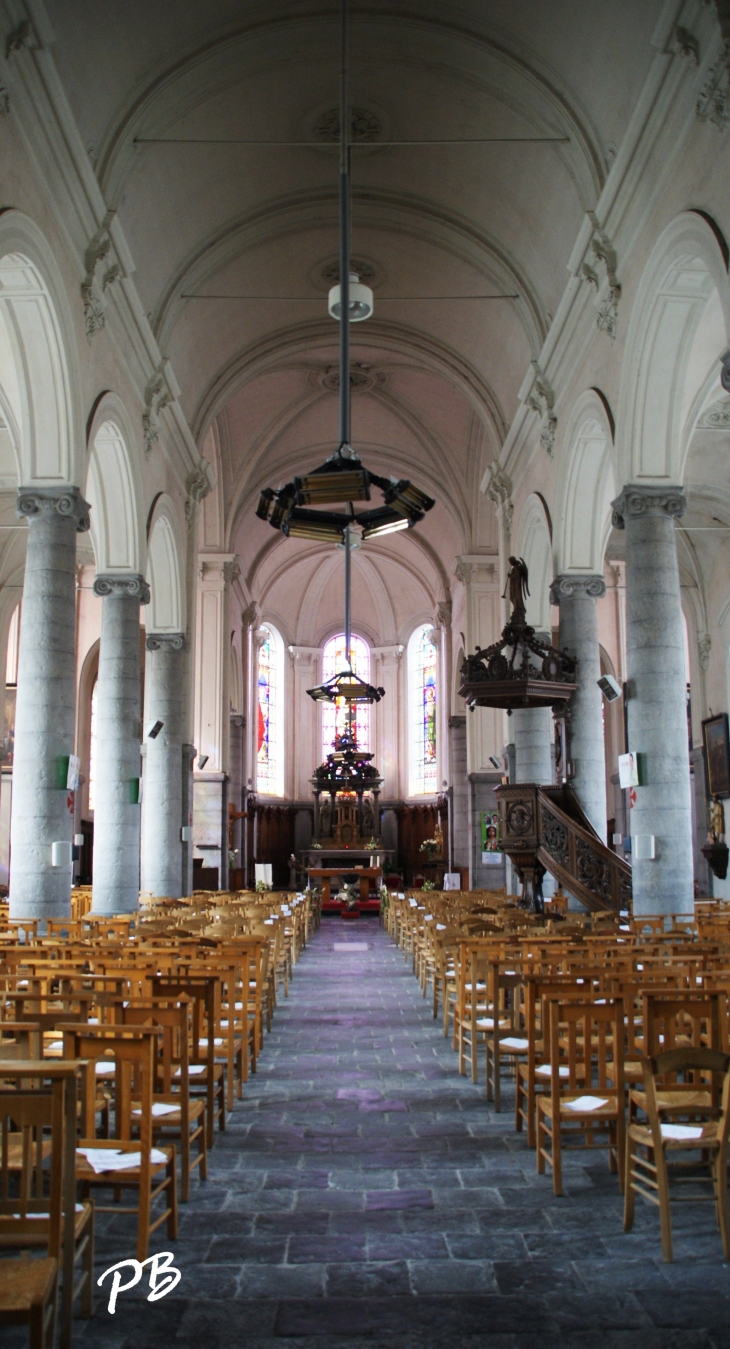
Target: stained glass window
(334, 715)
(422, 666)
(270, 757)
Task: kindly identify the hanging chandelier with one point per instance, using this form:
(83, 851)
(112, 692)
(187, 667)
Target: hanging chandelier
(343, 480)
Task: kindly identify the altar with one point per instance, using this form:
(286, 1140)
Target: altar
(368, 877)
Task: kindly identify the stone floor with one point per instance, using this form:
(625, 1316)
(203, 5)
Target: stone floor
(364, 1192)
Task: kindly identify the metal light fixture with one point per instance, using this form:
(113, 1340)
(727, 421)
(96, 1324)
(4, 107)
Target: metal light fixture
(361, 300)
(343, 480)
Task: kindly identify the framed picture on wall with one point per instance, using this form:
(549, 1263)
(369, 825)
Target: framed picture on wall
(717, 755)
(8, 742)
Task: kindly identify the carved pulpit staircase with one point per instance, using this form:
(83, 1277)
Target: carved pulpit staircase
(542, 828)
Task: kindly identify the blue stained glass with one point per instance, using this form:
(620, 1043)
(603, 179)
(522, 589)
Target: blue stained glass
(334, 715)
(423, 693)
(269, 776)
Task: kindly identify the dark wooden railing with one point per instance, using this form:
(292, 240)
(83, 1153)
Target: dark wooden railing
(544, 829)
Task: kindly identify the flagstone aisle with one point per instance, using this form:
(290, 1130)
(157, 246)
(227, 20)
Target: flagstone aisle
(363, 1193)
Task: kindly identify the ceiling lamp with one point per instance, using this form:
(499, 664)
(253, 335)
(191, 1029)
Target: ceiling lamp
(343, 480)
(361, 300)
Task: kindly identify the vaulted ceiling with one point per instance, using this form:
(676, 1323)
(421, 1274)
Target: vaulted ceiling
(165, 93)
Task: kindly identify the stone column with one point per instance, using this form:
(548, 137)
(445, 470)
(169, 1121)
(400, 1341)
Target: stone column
(118, 711)
(533, 729)
(42, 810)
(657, 714)
(162, 788)
(576, 596)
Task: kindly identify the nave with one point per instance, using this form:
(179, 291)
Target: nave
(365, 1192)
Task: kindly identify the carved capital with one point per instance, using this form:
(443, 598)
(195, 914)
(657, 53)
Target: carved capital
(237, 719)
(125, 585)
(96, 282)
(565, 587)
(249, 616)
(157, 396)
(704, 647)
(197, 486)
(231, 571)
(33, 502)
(635, 501)
(165, 641)
(444, 610)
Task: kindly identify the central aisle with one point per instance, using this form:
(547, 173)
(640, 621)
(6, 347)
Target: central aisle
(363, 1189)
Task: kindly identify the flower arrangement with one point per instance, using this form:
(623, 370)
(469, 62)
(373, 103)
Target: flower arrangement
(430, 846)
(261, 886)
(349, 894)
(428, 885)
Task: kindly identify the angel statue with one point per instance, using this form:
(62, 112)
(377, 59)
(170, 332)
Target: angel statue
(517, 588)
(717, 821)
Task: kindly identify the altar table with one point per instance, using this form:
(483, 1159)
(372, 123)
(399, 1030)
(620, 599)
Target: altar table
(326, 875)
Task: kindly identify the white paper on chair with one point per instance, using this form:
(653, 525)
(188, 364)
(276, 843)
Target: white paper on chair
(586, 1103)
(160, 1108)
(545, 1069)
(113, 1159)
(194, 1070)
(681, 1131)
(512, 1042)
(105, 1068)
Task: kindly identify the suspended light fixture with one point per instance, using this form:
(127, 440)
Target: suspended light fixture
(343, 480)
(361, 300)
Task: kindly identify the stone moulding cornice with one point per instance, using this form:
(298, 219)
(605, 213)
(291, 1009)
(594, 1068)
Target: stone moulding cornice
(636, 500)
(122, 585)
(567, 586)
(663, 118)
(64, 172)
(165, 641)
(476, 567)
(35, 502)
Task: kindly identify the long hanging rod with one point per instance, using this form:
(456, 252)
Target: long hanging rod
(344, 390)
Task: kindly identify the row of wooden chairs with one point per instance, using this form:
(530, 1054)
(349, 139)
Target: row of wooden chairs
(586, 1022)
(159, 1031)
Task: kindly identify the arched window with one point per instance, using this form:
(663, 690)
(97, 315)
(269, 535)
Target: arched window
(270, 757)
(422, 755)
(334, 715)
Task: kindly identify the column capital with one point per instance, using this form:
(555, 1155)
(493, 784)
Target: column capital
(165, 641)
(237, 719)
(636, 500)
(67, 501)
(568, 585)
(123, 584)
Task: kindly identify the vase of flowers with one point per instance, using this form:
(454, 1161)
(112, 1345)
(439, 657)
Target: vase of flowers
(349, 894)
(431, 847)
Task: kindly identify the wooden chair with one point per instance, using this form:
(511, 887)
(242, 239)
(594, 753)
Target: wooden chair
(172, 1084)
(505, 1042)
(44, 1108)
(588, 1039)
(206, 1077)
(678, 1020)
(154, 1175)
(649, 1145)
